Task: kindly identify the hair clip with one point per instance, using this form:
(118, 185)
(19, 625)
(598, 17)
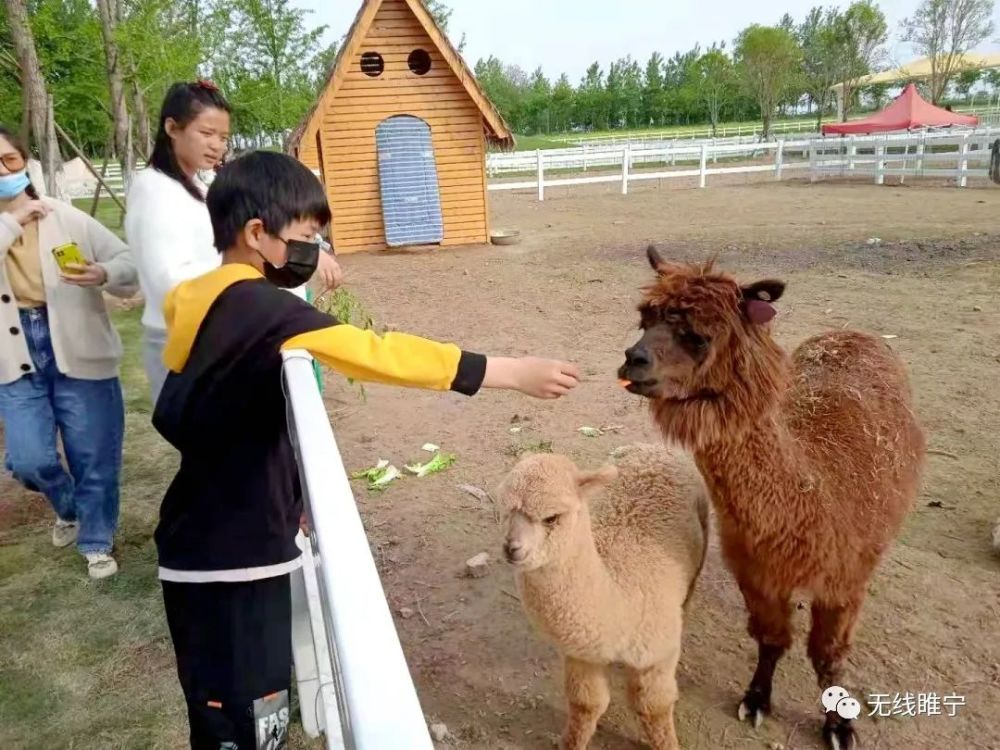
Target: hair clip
(205, 84)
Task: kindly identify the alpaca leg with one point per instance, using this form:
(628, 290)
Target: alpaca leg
(587, 696)
(829, 644)
(770, 625)
(653, 695)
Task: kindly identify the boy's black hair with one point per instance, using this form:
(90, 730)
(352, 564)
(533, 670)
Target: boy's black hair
(265, 185)
(15, 141)
(182, 103)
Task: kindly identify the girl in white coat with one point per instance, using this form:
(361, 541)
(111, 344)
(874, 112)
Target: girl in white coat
(167, 225)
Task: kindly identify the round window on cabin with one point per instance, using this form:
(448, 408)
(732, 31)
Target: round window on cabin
(372, 64)
(419, 61)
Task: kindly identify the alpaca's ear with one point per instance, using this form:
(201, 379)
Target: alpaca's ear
(592, 482)
(655, 259)
(758, 298)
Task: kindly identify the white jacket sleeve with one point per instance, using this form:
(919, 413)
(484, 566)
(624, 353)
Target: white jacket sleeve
(158, 235)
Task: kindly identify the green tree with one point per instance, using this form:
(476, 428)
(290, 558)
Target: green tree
(817, 36)
(442, 15)
(715, 83)
(77, 82)
(162, 43)
(324, 62)
(506, 86)
(768, 60)
(944, 31)
(592, 110)
(878, 93)
(652, 91)
(563, 101)
(537, 108)
(680, 96)
(632, 86)
(267, 67)
(966, 79)
(861, 33)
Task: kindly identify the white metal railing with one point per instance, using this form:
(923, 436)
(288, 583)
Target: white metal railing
(372, 693)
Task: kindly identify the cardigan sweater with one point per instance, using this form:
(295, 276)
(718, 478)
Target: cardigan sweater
(85, 343)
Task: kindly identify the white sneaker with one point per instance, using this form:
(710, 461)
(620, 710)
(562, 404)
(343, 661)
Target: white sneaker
(64, 533)
(100, 565)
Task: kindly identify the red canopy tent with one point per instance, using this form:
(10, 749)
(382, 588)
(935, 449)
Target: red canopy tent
(908, 110)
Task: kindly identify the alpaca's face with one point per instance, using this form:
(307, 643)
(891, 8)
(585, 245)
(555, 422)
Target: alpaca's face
(664, 363)
(543, 499)
(688, 322)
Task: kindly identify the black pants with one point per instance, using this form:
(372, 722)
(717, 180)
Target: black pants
(233, 643)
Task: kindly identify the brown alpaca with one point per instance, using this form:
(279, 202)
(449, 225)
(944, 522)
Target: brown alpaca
(812, 461)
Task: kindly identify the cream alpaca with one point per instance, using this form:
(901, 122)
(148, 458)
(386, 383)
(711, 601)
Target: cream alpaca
(609, 589)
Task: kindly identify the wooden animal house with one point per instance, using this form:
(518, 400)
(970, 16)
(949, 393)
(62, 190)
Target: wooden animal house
(399, 133)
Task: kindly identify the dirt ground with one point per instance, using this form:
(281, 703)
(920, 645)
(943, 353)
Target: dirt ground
(568, 290)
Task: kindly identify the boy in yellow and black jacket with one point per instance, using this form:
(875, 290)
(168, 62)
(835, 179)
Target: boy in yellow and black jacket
(228, 522)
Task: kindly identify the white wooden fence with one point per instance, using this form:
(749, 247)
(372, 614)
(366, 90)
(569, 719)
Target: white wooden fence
(956, 154)
(951, 156)
(625, 158)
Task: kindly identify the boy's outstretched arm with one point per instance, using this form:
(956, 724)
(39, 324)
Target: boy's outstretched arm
(405, 360)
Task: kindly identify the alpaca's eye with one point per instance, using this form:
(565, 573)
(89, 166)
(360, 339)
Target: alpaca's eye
(551, 520)
(694, 340)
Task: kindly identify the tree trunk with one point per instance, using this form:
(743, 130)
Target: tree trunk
(36, 97)
(819, 118)
(50, 156)
(25, 130)
(140, 114)
(110, 13)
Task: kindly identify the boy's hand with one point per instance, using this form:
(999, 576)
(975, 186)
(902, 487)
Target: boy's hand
(329, 274)
(540, 378)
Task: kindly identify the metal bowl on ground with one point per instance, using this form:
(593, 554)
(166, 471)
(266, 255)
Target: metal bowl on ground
(505, 237)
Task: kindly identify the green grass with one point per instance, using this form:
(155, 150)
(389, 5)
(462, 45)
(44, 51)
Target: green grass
(535, 142)
(562, 140)
(108, 213)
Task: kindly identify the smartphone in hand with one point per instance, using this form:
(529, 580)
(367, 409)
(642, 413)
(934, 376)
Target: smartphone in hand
(68, 254)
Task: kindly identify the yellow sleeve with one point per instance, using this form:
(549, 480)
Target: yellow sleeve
(393, 359)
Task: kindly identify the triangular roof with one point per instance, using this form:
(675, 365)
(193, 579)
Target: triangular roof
(908, 110)
(497, 131)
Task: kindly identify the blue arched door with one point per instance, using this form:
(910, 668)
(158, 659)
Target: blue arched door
(408, 182)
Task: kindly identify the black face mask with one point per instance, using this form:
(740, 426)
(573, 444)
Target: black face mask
(303, 257)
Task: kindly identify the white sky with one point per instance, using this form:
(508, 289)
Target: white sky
(568, 35)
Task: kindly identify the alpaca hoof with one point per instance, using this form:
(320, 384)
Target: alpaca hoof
(754, 707)
(838, 733)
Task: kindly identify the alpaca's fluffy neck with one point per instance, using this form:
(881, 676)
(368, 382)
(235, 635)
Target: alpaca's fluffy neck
(740, 443)
(570, 598)
(747, 471)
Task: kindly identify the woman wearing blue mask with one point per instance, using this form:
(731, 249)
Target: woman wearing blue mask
(59, 357)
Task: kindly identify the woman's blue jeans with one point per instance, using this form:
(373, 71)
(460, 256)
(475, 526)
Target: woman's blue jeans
(88, 415)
